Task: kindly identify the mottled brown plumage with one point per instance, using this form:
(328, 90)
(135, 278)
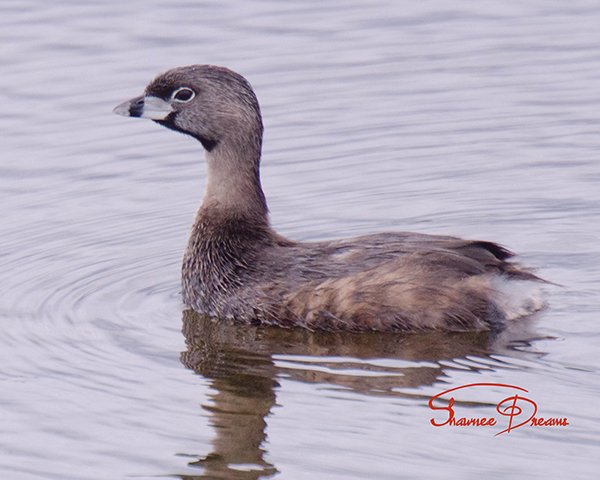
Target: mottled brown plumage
(236, 267)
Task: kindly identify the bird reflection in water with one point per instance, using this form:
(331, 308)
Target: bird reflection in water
(244, 362)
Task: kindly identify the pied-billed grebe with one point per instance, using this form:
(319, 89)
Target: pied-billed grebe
(236, 267)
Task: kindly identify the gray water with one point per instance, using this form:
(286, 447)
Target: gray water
(477, 119)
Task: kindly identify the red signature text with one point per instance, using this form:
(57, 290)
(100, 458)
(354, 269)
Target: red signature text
(516, 409)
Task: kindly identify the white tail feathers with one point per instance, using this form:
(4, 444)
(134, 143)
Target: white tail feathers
(516, 298)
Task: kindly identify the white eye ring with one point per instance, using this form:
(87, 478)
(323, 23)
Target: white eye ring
(180, 90)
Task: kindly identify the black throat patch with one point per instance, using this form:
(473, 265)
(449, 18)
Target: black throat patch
(169, 121)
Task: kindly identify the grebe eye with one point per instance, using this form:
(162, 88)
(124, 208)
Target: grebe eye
(183, 94)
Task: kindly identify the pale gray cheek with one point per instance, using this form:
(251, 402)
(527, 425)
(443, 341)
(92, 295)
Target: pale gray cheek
(194, 124)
